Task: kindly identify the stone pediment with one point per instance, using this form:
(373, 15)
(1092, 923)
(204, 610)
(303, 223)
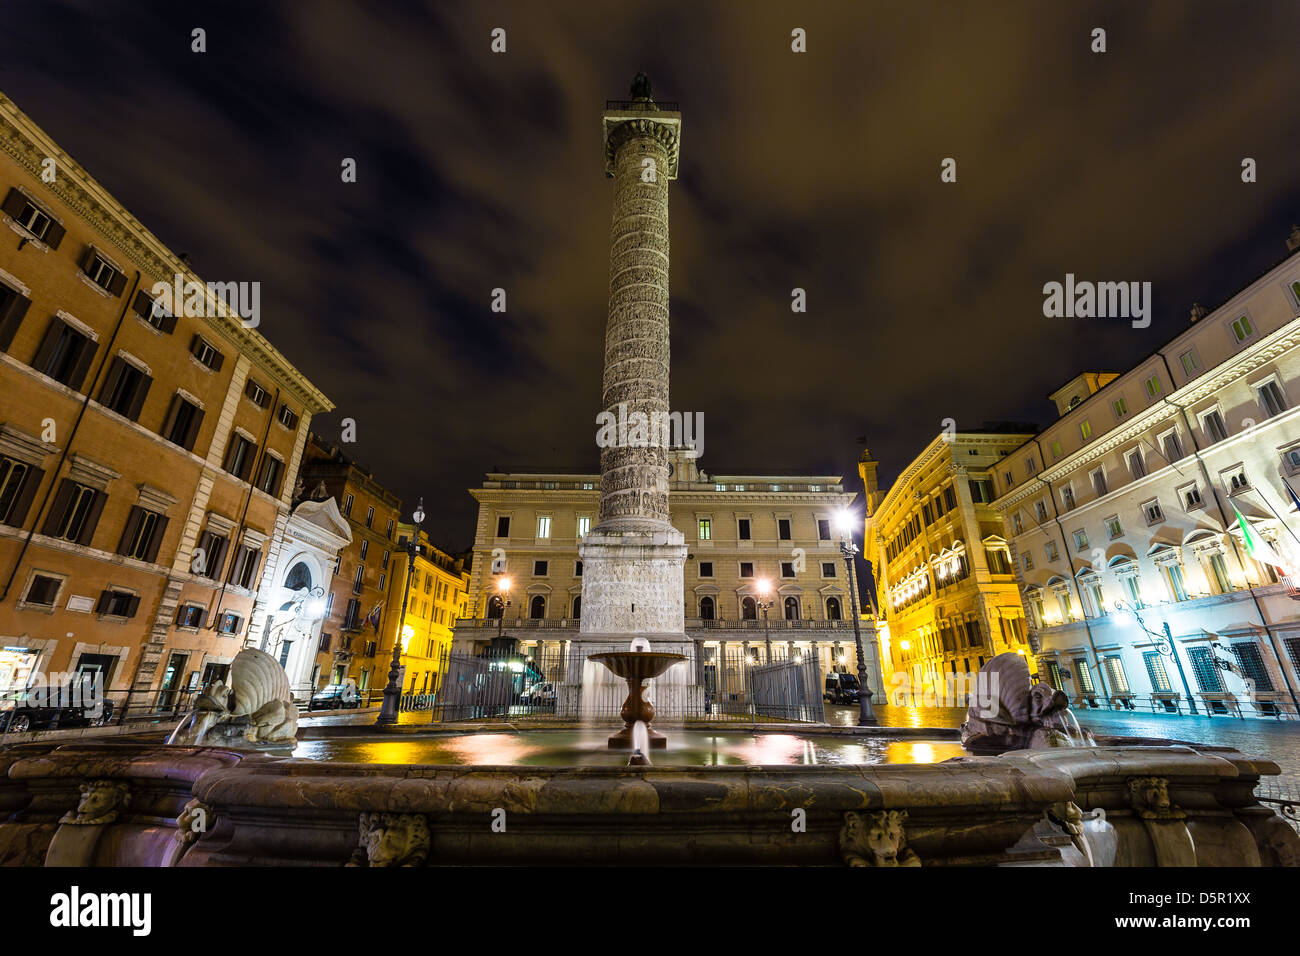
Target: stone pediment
(325, 516)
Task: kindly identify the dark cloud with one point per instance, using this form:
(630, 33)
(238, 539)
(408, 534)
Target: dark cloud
(818, 171)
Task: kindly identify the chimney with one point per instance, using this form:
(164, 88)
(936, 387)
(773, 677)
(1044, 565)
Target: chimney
(1293, 241)
(1198, 312)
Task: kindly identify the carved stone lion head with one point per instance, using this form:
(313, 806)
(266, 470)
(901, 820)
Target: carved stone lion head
(1149, 796)
(391, 839)
(100, 802)
(876, 839)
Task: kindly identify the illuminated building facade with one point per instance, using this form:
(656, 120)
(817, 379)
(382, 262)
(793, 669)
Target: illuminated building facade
(1130, 501)
(944, 581)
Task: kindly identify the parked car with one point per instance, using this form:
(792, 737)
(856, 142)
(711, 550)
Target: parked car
(40, 708)
(336, 696)
(541, 694)
(841, 689)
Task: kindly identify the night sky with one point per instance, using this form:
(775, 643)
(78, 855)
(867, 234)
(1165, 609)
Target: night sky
(818, 170)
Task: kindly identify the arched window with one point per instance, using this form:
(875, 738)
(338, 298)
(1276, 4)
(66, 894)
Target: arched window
(537, 607)
(748, 609)
(706, 608)
(833, 612)
(577, 607)
(495, 606)
(299, 577)
(792, 609)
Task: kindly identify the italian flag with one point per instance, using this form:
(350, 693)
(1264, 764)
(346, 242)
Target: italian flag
(1257, 547)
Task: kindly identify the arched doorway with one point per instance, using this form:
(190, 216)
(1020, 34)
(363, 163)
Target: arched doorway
(748, 609)
(833, 610)
(792, 609)
(577, 607)
(706, 608)
(537, 607)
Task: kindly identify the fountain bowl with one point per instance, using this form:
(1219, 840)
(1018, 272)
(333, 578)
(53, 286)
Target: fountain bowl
(636, 667)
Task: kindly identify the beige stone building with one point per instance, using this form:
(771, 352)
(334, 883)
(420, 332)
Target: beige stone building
(146, 456)
(1130, 501)
(742, 531)
(944, 581)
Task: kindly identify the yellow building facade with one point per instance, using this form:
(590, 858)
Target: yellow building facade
(945, 584)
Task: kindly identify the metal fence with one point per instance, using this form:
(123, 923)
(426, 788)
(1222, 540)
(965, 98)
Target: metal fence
(501, 682)
(1281, 793)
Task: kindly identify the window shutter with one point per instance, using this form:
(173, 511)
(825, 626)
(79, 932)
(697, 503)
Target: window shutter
(117, 283)
(12, 318)
(180, 615)
(170, 421)
(217, 559)
(87, 259)
(85, 354)
(203, 616)
(193, 432)
(129, 531)
(54, 235)
(48, 345)
(217, 361)
(92, 518)
(115, 372)
(24, 500)
(142, 305)
(159, 529)
(14, 202)
(137, 400)
(168, 323)
(62, 498)
(195, 343)
(132, 605)
(101, 606)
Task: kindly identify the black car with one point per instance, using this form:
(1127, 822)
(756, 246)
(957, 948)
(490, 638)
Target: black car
(841, 689)
(336, 696)
(42, 708)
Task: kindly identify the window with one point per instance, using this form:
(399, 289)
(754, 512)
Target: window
(1175, 582)
(746, 569)
(1191, 364)
(540, 568)
(1099, 482)
(1120, 406)
(1136, 466)
(370, 517)
(997, 561)
(1156, 672)
(577, 569)
(783, 529)
(286, 417)
(1027, 561)
(1083, 675)
(1040, 508)
(706, 569)
(43, 590)
(18, 483)
(1290, 459)
(347, 506)
(1113, 528)
(1055, 448)
(38, 223)
(240, 455)
(103, 273)
(1173, 447)
(65, 354)
(388, 533)
(1153, 513)
(181, 426)
(823, 529)
(949, 497)
(1212, 425)
(142, 535)
(206, 353)
(791, 607)
(359, 579)
(383, 561)
(365, 546)
(75, 512)
(1205, 670)
(1192, 497)
(1031, 465)
(584, 525)
(833, 610)
(1080, 540)
(1052, 553)
(269, 475)
(828, 569)
(1017, 523)
(1271, 397)
(125, 388)
(706, 529)
(244, 573)
(1237, 482)
(544, 526)
(191, 615)
(748, 609)
(981, 490)
(706, 608)
(231, 623)
(1085, 429)
(537, 607)
(1242, 329)
(1252, 666)
(1067, 498)
(742, 529)
(1219, 573)
(257, 394)
(787, 569)
(503, 526)
(1115, 672)
(210, 556)
(13, 306)
(1152, 385)
(719, 486)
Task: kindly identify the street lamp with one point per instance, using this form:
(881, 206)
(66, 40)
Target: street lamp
(866, 713)
(393, 690)
(1164, 644)
(764, 605)
(503, 602)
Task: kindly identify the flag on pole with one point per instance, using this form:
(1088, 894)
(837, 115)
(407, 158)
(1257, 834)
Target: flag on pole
(1257, 547)
(1295, 500)
(373, 617)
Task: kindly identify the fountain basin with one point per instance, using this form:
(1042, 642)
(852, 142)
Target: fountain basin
(636, 667)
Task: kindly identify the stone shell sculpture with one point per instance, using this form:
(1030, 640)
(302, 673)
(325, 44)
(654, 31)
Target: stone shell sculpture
(256, 706)
(1029, 715)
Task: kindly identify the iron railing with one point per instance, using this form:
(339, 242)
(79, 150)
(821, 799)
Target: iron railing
(1282, 794)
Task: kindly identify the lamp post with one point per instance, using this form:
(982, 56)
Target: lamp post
(393, 690)
(866, 713)
(1165, 645)
(503, 602)
(765, 605)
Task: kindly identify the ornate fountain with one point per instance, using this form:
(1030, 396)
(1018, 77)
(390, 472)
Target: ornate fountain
(1028, 716)
(636, 667)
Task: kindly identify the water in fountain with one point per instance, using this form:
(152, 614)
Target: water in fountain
(205, 720)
